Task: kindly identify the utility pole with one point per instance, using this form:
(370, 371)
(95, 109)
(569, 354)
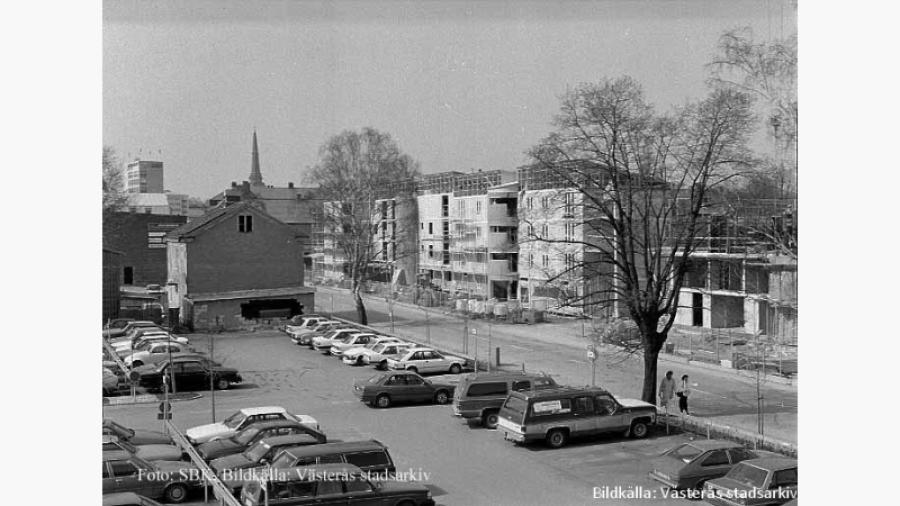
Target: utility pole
(212, 386)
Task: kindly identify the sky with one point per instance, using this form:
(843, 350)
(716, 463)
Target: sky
(458, 85)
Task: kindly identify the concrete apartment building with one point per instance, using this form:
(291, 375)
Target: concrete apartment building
(144, 191)
(738, 278)
(468, 233)
(144, 176)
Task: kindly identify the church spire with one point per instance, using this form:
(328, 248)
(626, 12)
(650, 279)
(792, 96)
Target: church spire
(255, 174)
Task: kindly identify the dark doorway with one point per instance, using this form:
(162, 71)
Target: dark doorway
(270, 308)
(697, 306)
(128, 276)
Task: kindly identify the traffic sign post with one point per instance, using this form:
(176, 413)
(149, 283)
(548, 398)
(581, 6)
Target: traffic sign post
(592, 356)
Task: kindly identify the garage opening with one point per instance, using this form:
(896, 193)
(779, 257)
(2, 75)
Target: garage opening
(270, 308)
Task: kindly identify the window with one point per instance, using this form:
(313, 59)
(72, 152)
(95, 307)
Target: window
(545, 261)
(740, 454)
(190, 367)
(558, 406)
(584, 405)
(358, 485)
(478, 208)
(569, 209)
(430, 251)
(396, 380)
(570, 261)
(604, 405)
(545, 202)
(545, 231)
(430, 228)
(716, 458)
(245, 224)
(570, 231)
(123, 468)
(784, 478)
(367, 459)
(291, 489)
(413, 381)
(486, 389)
(148, 210)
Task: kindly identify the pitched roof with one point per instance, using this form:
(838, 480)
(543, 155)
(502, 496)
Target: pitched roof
(213, 216)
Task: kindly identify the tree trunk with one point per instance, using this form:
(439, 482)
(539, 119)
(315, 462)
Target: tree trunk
(360, 307)
(651, 354)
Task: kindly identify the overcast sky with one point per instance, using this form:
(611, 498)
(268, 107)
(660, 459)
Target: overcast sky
(459, 85)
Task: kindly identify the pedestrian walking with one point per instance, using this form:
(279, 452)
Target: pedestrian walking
(666, 390)
(684, 391)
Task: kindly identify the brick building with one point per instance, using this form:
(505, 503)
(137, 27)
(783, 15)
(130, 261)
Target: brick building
(237, 264)
(140, 240)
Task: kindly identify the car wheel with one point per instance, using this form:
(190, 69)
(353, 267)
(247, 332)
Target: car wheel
(406, 503)
(441, 397)
(382, 401)
(455, 369)
(489, 420)
(412, 369)
(136, 363)
(557, 438)
(222, 384)
(176, 493)
(359, 360)
(639, 430)
(382, 366)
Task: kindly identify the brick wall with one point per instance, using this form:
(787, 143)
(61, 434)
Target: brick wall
(129, 234)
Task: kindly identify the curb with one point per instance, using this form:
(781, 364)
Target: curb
(711, 429)
(127, 400)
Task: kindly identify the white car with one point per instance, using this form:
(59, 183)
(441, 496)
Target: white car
(152, 352)
(241, 419)
(353, 341)
(324, 343)
(423, 360)
(124, 349)
(381, 353)
(299, 331)
(307, 323)
(136, 334)
(354, 355)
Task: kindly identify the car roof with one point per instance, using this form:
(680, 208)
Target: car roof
(116, 455)
(326, 448)
(288, 439)
(274, 423)
(561, 391)
(713, 444)
(312, 472)
(773, 463)
(502, 375)
(262, 410)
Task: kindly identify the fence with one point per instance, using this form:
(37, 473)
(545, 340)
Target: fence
(734, 349)
(714, 430)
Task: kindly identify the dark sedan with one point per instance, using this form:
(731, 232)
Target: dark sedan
(690, 465)
(383, 390)
(191, 373)
(767, 481)
(171, 481)
(135, 436)
(252, 435)
(261, 453)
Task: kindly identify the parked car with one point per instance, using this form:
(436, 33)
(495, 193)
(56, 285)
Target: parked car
(170, 481)
(480, 396)
(261, 453)
(253, 434)
(242, 419)
(557, 414)
(757, 482)
(337, 335)
(371, 456)
(305, 337)
(125, 349)
(380, 354)
(121, 331)
(191, 373)
(352, 341)
(154, 352)
(383, 390)
(427, 360)
(316, 485)
(354, 356)
(134, 436)
(135, 333)
(149, 452)
(128, 499)
(690, 465)
(110, 382)
(320, 326)
(302, 321)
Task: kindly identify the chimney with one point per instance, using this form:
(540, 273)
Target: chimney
(290, 185)
(233, 184)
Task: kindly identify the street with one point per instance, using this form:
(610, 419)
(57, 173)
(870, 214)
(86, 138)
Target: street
(558, 349)
(461, 465)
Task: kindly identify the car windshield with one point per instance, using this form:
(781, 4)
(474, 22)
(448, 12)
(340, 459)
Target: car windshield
(246, 435)
(379, 348)
(685, 453)
(345, 338)
(374, 379)
(143, 346)
(285, 459)
(234, 420)
(257, 452)
(749, 475)
(516, 405)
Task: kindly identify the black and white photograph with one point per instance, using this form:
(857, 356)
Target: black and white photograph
(419, 253)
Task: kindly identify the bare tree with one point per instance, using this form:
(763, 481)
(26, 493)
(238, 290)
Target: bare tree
(643, 180)
(357, 173)
(767, 71)
(113, 197)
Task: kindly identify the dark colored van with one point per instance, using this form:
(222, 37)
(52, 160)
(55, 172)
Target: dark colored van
(371, 456)
(479, 396)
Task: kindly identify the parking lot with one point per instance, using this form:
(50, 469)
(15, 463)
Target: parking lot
(461, 465)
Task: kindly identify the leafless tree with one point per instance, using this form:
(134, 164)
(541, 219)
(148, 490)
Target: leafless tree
(113, 196)
(643, 180)
(356, 173)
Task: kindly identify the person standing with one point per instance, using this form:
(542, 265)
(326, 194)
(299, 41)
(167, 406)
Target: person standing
(683, 392)
(666, 390)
